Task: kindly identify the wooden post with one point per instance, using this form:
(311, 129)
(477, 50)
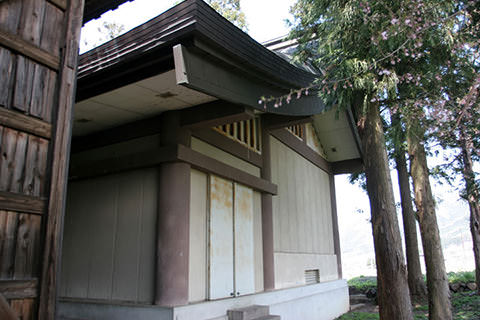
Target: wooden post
(38, 59)
(173, 228)
(336, 236)
(267, 216)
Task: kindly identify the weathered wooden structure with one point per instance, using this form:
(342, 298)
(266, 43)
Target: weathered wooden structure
(38, 59)
(182, 188)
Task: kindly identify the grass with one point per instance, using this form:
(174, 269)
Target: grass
(465, 305)
(359, 316)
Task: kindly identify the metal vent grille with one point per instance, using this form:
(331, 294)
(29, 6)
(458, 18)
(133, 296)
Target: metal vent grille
(312, 276)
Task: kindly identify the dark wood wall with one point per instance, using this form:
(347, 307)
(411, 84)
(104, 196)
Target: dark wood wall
(38, 59)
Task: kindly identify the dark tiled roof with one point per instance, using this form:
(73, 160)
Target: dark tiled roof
(94, 8)
(186, 21)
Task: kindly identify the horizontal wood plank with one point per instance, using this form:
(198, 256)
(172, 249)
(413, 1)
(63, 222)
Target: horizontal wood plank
(124, 163)
(22, 203)
(62, 4)
(18, 289)
(181, 153)
(208, 164)
(21, 122)
(31, 51)
(226, 144)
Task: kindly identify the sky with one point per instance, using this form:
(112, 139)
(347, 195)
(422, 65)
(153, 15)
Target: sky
(266, 20)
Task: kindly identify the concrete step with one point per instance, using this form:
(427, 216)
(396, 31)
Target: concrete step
(359, 298)
(270, 317)
(248, 313)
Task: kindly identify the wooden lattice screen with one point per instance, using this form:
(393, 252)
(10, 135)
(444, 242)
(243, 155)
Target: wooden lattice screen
(298, 131)
(246, 132)
(38, 59)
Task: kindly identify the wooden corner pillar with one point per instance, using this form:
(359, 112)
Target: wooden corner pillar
(267, 215)
(336, 236)
(60, 156)
(38, 61)
(173, 225)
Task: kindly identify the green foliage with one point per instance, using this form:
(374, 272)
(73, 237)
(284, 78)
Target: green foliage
(363, 283)
(461, 277)
(231, 10)
(465, 307)
(359, 316)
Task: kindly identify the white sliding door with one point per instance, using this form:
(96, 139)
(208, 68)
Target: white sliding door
(221, 238)
(244, 251)
(231, 239)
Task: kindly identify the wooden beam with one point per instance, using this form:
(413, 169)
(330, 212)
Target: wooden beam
(18, 289)
(221, 141)
(118, 134)
(21, 122)
(336, 236)
(276, 121)
(21, 46)
(175, 153)
(62, 4)
(22, 203)
(347, 166)
(205, 163)
(301, 148)
(268, 249)
(213, 114)
(146, 159)
(60, 156)
(6, 313)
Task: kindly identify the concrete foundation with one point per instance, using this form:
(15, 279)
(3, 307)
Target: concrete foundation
(323, 301)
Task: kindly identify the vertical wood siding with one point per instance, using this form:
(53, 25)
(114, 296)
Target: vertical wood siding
(34, 98)
(197, 284)
(109, 238)
(302, 218)
(302, 210)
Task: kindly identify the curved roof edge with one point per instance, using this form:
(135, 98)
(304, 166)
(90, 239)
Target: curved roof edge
(194, 19)
(95, 8)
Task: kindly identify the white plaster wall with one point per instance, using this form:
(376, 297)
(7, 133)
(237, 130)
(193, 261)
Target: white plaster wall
(290, 268)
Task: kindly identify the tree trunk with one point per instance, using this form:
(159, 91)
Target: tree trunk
(393, 292)
(438, 291)
(472, 197)
(418, 290)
